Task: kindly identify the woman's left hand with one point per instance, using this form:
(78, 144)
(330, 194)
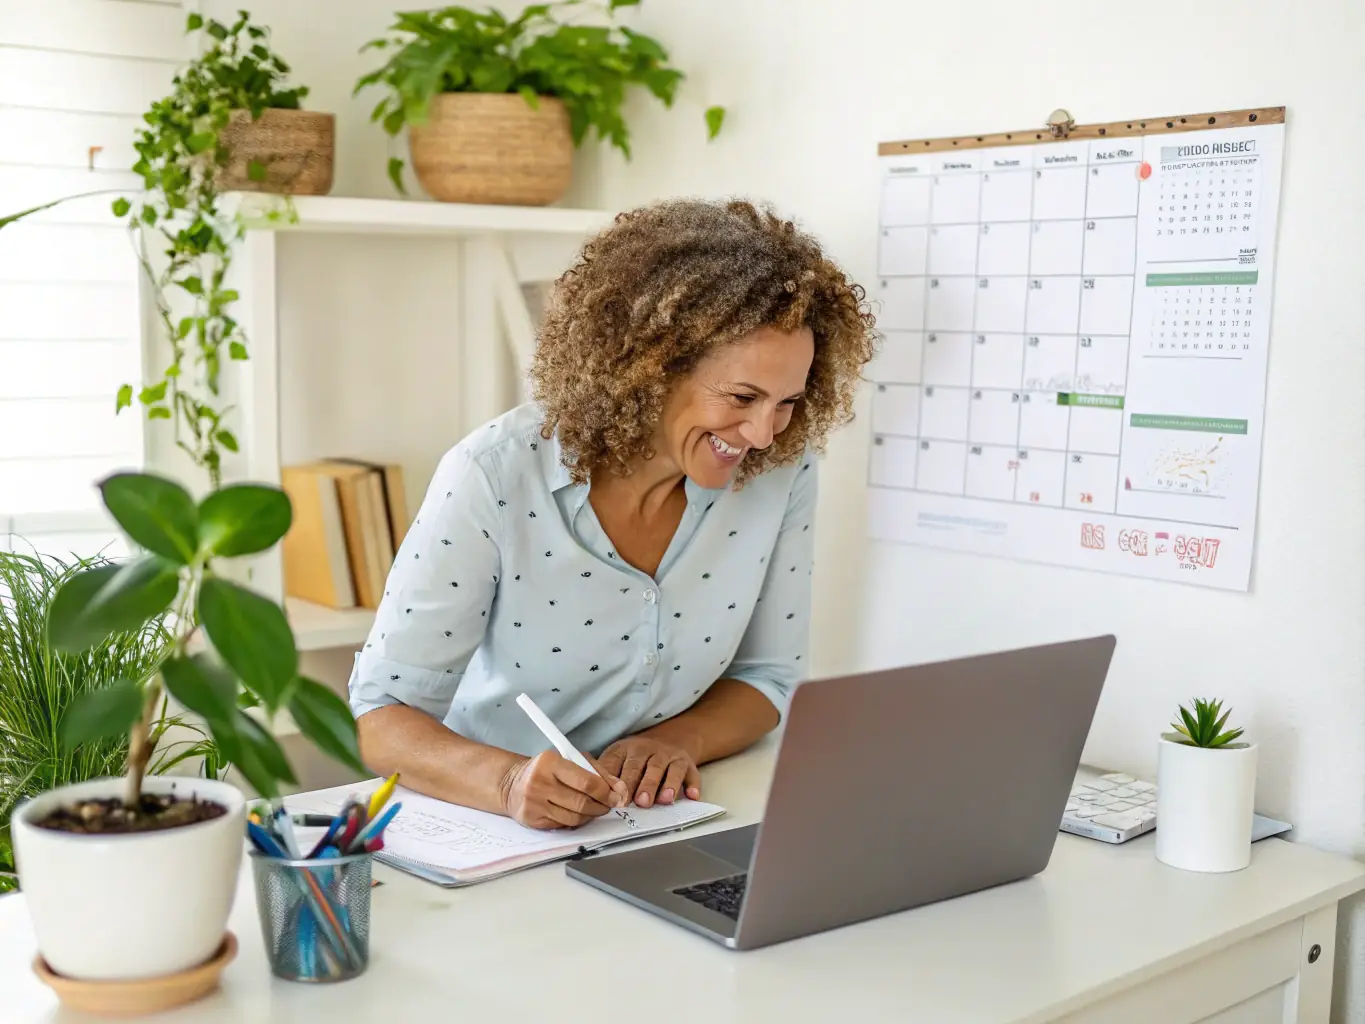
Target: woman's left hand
(654, 771)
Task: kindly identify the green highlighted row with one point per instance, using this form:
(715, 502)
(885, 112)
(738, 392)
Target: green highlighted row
(1090, 401)
(1208, 277)
(1202, 424)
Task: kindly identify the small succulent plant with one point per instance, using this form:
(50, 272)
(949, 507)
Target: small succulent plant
(1204, 726)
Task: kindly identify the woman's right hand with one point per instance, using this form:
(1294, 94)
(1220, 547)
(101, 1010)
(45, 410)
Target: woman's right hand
(549, 791)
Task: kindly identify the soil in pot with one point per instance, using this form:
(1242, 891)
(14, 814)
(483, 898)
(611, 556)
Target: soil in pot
(108, 816)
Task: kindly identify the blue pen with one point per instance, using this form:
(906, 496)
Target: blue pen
(333, 827)
(264, 841)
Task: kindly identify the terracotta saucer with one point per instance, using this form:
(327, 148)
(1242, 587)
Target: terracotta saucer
(143, 995)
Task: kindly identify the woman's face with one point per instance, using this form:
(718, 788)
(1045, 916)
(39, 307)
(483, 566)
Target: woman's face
(738, 398)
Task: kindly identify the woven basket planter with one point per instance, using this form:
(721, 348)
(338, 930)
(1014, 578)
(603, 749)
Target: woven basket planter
(297, 147)
(493, 148)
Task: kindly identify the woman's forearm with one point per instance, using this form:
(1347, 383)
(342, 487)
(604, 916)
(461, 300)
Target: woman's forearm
(434, 760)
(731, 716)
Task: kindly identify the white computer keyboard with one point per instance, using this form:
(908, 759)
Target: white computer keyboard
(1111, 807)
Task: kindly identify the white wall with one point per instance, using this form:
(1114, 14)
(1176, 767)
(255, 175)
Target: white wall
(813, 85)
(74, 77)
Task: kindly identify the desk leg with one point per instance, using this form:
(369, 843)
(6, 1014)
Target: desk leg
(1309, 999)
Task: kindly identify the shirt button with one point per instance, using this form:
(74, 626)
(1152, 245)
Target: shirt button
(651, 658)
(649, 596)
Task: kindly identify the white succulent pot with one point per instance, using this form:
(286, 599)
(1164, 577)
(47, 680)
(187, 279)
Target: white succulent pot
(1205, 803)
(135, 906)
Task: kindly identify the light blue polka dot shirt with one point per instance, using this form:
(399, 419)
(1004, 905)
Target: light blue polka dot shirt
(506, 583)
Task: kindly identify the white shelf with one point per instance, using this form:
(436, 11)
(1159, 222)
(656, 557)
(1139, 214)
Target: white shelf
(356, 215)
(318, 628)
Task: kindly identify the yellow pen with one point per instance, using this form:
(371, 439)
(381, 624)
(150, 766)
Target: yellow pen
(381, 795)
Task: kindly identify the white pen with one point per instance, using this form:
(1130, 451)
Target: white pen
(562, 744)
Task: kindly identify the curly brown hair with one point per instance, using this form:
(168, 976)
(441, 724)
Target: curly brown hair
(663, 286)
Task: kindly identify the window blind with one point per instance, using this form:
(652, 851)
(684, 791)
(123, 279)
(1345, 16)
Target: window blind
(75, 77)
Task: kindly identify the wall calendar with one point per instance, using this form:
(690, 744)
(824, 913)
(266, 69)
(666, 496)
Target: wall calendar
(1076, 330)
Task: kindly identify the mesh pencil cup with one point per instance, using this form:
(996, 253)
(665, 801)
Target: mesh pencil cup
(315, 915)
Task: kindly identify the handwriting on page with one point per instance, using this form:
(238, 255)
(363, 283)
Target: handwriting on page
(467, 836)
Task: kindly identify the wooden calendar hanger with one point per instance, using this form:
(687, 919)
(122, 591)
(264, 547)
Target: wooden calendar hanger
(1060, 127)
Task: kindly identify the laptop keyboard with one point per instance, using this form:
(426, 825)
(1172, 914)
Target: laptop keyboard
(723, 895)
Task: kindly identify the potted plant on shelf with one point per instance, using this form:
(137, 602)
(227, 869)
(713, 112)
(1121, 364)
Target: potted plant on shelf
(228, 123)
(1206, 792)
(495, 107)
(38, 685)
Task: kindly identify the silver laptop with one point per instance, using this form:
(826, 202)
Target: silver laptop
(890, 790)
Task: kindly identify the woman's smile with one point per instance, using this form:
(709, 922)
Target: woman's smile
(726, 454)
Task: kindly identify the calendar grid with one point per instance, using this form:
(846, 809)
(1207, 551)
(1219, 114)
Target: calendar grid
(954, 440)
(971, 348)
(1076, 363)
(923, 328)
(1232, 527)
(1017, 372)
(1010, 220)
(1020, 277)
(1023, 351)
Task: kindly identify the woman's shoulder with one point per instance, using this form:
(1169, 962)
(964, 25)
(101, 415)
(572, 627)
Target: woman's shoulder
(514, 435)
(509, 446)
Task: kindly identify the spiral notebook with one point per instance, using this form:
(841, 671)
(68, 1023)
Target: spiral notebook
(453, 845)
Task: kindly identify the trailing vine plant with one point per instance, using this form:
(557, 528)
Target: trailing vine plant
(181, 154)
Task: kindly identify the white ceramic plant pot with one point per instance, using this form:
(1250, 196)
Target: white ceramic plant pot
(1205, 803)
(127, 907)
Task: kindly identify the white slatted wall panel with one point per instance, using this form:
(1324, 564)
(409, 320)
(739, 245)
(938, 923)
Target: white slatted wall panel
(75, 77)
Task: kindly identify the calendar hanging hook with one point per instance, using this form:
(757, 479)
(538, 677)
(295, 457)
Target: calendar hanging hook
(1060, 122)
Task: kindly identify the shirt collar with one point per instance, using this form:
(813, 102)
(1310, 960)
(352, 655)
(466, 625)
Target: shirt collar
(557, 476)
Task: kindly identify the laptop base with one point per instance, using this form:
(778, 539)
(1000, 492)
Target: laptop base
(649, 876)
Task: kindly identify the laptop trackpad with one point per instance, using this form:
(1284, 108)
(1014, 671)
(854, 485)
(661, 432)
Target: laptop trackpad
(734, 846)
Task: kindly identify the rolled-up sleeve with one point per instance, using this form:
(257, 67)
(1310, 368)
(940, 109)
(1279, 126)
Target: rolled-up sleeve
(774, 654)
(437, 598)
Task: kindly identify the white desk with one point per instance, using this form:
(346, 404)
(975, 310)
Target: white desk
(1104, 934)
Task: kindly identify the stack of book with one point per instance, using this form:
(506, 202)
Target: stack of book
(350, 516)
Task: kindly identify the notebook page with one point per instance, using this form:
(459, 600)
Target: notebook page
(609, 828)
(463, 840)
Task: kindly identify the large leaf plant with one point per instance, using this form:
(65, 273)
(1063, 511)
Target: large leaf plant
(230, 648)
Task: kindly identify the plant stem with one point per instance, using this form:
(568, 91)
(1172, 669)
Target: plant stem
(140, 747)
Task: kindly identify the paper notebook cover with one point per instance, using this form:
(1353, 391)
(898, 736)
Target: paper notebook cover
(454, 845)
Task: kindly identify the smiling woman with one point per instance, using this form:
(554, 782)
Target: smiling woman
(632, 548)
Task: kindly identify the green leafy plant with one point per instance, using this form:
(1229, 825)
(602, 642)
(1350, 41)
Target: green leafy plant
(184, 232)
(38, 685)
(181, 154)
(589, 67)
(1203, 727)
(246, 656)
